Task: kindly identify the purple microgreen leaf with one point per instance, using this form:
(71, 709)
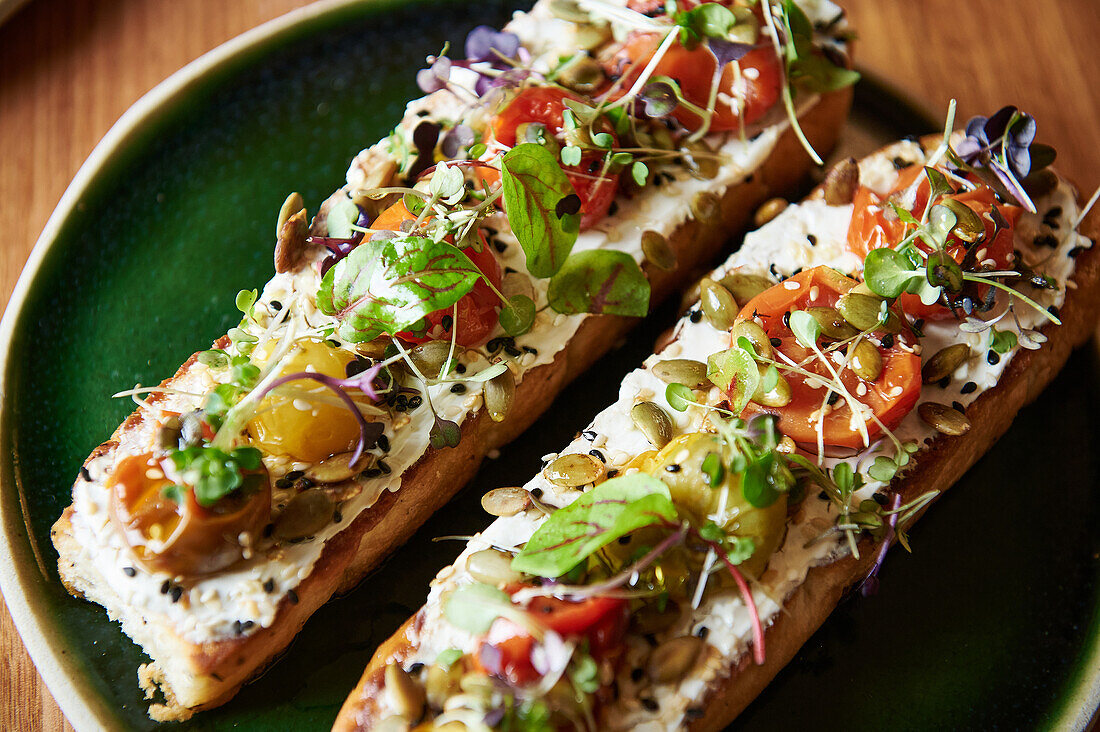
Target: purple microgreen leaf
(455, 140)
(726, 52)
(484, 43)
(435, 77)
(444, 433)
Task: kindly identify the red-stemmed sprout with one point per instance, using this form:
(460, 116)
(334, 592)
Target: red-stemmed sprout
(870, 583)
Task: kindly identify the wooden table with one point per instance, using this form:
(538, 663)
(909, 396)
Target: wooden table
(71, 67)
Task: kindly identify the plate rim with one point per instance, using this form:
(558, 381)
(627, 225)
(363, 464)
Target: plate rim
(82, 706)
(24, 574)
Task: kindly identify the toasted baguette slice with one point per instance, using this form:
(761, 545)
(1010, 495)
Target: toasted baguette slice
(195, 675)
(722, 685)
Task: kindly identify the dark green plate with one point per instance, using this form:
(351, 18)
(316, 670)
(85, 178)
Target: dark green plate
(992, 623)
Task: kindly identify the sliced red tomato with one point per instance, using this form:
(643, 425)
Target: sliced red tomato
(873, 227)
(546, 106)
(753, 82)
(889, 397)
(475, 315)
(506, 650)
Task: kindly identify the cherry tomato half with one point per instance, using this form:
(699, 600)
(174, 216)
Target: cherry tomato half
(183, 538)
(506, 650)
(889, 397)
(546, 106)
(753, 83)
(475, 315)
(873, 228)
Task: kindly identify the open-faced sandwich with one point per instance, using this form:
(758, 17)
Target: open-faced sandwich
(580, 163)
(840, 372)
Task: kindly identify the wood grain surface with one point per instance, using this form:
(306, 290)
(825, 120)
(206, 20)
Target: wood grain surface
(69, 68)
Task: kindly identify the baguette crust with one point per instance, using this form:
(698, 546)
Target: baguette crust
(943, 464)
(193, 677)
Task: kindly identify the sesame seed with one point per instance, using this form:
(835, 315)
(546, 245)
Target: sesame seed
(791, 285)
(269, 586)
(695, 316)
(85, 474)
(598, 455)
(177, 593)
(458, 388)
(650, 704)
(969, 387)
(165, 587)
(674, 468)
(993, 358)
(129, 571)
(292, 596)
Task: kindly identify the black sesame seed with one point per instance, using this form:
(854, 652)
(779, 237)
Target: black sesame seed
(880, 499)
(993, 358)
(384, 467)
(918, 323)
(969, 387)
(673, 468)
(237, 627)
(695, 316)
(776, 343)
(812, 239)
(269, 529)
(383, 443)
(295, 475)
(944, 382)
(1046, 240)
(512, 351)
(447, 322)
(1073, 253)
(900, 163)
(624, 540)
(372, 472)
(532, 351)
(332, 343)
(589, 435)
(283, 483)
(888, 340)
(637, 674)
(598, 455)
(460, 368)
(276, 305)
(536, 492)
(693, 713)
(165, 587)
(415, 402)
(85, 474)
(177, 593)
(702, 632)
(500, 246)
(1053, 310)
(416, 668)
(269, 586)
(613, 208)
(612, 473)
(1053, 212)
(833, 398)
(650, 704)
(787, 319)
(823, 496)
(292, 596)
(958, 407)
(337, 517)
(129, 571)
(458, 388)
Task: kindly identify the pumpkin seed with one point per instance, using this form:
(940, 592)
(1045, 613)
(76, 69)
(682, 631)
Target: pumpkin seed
(745, 287)
(405, 694)
(429, 357)
(865, 361)
(334, 469)
(491, 567)
(769, 210)
(500, 392)
(651, 619)
(832, 325)
(863, 289)
(718, 304)
(755, 335)
(505, 501)
(671, 660)
(946, 420)
(191, 428)
(653, 422)
(968, 225)
(573, 470)
(747, 28)
(441, 683)
(692, 374)
(343, 491)
(656, 250)
(305, 515)
(863, 312)
(584, 75)
(706, 164)
(778, 396)
(841, 183)
(705, 206)
(292, 205)
(944, 363)
(168, 434)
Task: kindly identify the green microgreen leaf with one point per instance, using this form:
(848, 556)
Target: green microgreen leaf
(713, 469)
(518, 316)
(883, 469)
(212, 473)
(639, 171)
(734, 369)
(245, 301)
(571, 155)
(386, 286)
(805, 327)
(584, 673)
(1003, 341)
(448, 657)
(473, 608)
(444, 433)
(887, 272)
(679, 396)
(341, 216)
(770, 379)
(600, 281)
(214, 358)
(612, 509)
(807, 67)
(537, 195)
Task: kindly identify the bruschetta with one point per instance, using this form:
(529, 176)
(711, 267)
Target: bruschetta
(840, 372)
(559, 177)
